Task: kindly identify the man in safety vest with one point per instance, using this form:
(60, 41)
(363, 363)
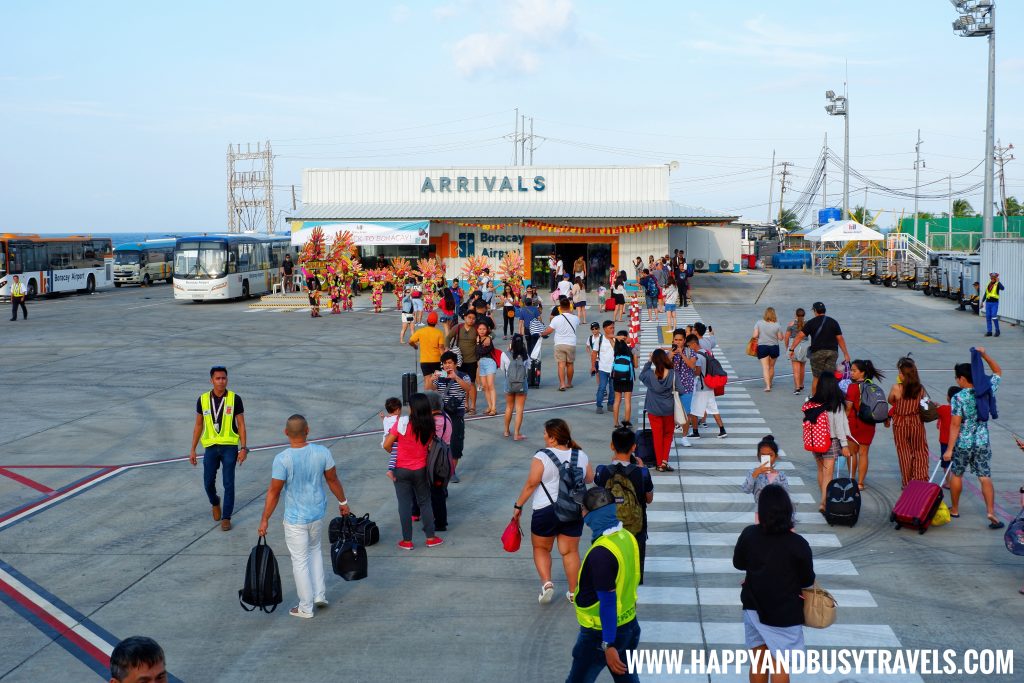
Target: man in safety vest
(18, 299)
(991, 301)
(220, 425)
(605, 596)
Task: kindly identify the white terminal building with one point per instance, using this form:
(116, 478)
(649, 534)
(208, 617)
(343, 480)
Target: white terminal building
(609, 215)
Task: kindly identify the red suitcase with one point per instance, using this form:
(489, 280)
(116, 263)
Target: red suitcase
(917, 504)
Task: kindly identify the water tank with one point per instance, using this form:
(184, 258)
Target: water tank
(830, 214)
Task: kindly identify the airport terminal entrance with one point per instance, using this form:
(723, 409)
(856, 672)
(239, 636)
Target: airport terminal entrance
(596, 254)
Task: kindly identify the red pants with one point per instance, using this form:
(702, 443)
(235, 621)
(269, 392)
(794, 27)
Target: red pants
(662, 428)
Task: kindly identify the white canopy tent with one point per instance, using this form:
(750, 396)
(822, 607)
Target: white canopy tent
(833, 235)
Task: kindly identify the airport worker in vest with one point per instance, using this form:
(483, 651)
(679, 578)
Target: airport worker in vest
(606, 593)
(220, 425)
(991, 301)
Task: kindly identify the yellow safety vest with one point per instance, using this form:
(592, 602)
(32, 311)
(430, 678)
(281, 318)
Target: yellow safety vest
(226, 436)
(623, 546)
(992, 291)
(17, 289)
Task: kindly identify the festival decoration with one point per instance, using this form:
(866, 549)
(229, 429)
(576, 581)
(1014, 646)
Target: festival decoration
(376, 279)
(312, 263)
(512, 270)
(432, 272)
(400, 270)
(473, 269)
(615, 230)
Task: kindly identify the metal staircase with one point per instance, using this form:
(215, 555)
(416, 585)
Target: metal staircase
(902, 246)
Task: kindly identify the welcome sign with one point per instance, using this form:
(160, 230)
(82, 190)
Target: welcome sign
(366, 233)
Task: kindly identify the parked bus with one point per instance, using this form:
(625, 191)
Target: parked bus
(140, 263)
(228, 266)
(47, 265)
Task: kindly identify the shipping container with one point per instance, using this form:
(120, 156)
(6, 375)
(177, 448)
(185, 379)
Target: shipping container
(1006, 257)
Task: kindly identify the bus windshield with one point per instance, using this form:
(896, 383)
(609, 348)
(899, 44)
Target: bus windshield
(200, 260)
(126, 258)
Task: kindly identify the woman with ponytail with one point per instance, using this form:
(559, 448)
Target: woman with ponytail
(862, 433)
(796, 325)
(907, 428)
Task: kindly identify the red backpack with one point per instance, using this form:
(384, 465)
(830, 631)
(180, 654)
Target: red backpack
(817, 434)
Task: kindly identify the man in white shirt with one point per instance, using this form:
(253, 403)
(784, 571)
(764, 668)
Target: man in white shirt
(563, 326)
(564, 286)
(559, 268)
(553, 269)
(602, 354)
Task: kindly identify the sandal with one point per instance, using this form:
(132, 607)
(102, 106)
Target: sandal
(492, 413)
(506, 435)
(568, 596)
(470, 411)
(994, 523)
(547, 591)
(665, 468)
(519, 437)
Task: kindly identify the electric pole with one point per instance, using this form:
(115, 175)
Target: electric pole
(515, 141)
(251, 188)
(1003, 155)
(918, 164)
(771, 188)
(824, 174)
(783, 184)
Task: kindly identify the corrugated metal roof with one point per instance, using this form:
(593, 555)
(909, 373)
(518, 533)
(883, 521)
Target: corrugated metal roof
(538, 210)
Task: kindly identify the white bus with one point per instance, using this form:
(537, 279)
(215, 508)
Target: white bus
(228, 266)
(48, 265)
(142, 263)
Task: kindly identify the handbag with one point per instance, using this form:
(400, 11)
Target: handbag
(679, 412)
(928, 411)
(752, 347)
(512, 537)
(1014, 536)
(363, 530)
(819, 607)
(453, 346)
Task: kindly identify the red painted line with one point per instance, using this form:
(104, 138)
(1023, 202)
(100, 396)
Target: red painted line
(57, 493)
(60, 467)
(31, 483)
(56, 625)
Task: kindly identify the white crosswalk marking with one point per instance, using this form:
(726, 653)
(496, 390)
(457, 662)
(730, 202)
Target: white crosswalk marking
(689, 559)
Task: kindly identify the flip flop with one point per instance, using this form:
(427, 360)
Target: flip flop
(998, 524)
(506, 435)
(561, 388)
(519, 438)
(956, 516)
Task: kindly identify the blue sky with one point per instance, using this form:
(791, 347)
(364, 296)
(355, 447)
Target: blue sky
(116, 116)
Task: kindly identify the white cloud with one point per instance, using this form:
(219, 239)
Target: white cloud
(400, 14)
(523, 31)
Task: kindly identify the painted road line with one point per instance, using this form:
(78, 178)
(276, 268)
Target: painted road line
(736, 420)
(707, 538)
(669, 482)
(916, 335)
(718, 633)
(744, 517)
(730, 597)
(712, 436)
(700, 465)
(743, 430)
(694, 451)
(723, 565)
(25, 481)
(722, 497)
(60, 496)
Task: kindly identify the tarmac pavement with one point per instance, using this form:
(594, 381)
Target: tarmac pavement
(103, 385)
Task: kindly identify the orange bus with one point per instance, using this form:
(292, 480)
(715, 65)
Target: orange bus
(47, 265)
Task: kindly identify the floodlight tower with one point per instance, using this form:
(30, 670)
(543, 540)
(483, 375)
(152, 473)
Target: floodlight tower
(978, 18)
(839, 105)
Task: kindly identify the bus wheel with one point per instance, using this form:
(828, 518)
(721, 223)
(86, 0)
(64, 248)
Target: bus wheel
(146, 281)
(90, 286)
(33, 289)
(245, 289)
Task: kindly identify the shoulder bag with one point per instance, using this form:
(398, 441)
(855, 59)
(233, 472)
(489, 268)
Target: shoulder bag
(680, 412)
(819, 607)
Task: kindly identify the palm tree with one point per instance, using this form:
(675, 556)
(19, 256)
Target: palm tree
(863, 216)
(1013, 208)
(962, 209)
(788, 220)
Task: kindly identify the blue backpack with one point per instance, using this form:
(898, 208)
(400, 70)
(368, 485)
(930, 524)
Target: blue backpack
(622, 368)
(651, 286)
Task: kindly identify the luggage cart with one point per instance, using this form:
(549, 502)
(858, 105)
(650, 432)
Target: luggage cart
(867, 269)
(891, 274)
(920, 278)
(908, 273)
(934, 286)
(851, 268)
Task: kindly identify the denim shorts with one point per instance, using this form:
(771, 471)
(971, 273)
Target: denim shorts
(767, 351)
(487, 367)
(670, 308)
(652, 301)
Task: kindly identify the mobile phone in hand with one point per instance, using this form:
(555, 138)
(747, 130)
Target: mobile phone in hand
(766, 461)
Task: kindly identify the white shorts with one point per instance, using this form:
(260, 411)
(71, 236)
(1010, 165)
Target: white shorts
(704, 403)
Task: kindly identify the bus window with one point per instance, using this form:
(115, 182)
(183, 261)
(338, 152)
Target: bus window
(3, 259)
(77, 255)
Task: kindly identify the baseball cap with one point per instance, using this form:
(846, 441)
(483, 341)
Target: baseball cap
(432, 318)
(993, 274)
(595, 326)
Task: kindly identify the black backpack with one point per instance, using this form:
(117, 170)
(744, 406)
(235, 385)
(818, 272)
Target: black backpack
(572, 486)
(262, 587)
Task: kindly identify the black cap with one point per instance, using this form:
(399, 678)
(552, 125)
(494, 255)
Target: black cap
(595, 326)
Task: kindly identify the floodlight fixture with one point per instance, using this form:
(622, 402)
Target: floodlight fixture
(839, 106)
(830, 94)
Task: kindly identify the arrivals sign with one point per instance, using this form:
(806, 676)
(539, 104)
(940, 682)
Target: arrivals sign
(483, 184)
(366, 233)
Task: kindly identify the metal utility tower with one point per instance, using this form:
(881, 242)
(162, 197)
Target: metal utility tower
(839, 105)
(250, 188)
(918, 165)
(520, 138)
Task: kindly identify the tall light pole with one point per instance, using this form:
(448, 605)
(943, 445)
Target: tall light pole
(978, 18)
(917, 185)
(839, 105)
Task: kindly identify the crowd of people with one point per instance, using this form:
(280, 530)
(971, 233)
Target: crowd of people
(460, 359)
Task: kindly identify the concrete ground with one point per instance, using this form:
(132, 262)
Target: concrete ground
(111, 540)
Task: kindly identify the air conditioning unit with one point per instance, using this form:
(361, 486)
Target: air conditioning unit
(725, 266)
(700, 264)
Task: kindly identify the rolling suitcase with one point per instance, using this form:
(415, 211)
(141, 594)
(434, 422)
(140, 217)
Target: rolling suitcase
(410, 384)
(645, 444)
(609, 303)
(533, 379)
(917, 504)
(842, 498)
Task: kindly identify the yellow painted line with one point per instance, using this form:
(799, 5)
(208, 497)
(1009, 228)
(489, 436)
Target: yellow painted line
(914, 333)
(666, 335)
